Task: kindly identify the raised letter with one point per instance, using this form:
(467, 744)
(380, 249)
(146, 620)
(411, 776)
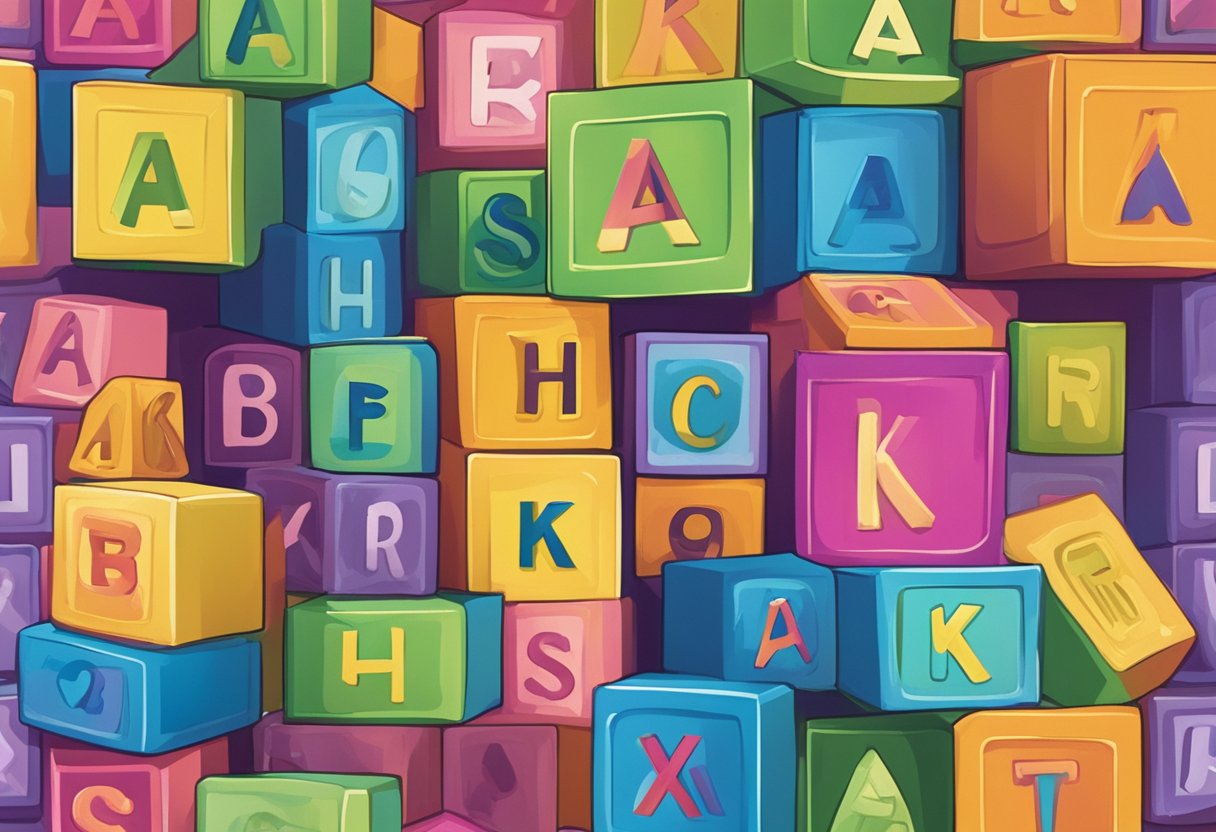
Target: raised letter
(482, 95)
(770, 646)
(513, 246)
(642, 196)
(236, 402)
(19, 480)
(1205, 499)
(1038, 8)
(661, 18)
(683, 545)
(360, 194)
(1046, 776)
(949, 640)
(1200, 762)
(534, 377)
(163, 447)
(872, 801)
(877, 470)
(533, 528)
(93, 10)
(681, 413)
(1150, 184)
(537, 655)
(151, 153)
(363, 300)
(260, 25)
(113, 545)
(113, 799)
(353, 667)
(67, 344)
(884, 14)
(1073, 380)
(874, 197)
(385, 509)
(363, 407)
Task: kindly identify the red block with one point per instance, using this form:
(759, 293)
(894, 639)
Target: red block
(503, 777)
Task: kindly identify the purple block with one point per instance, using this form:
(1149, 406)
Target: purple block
(253, 401)
(354, 534)
(26, 470)
(1171, 475)
(1033, 480)
(20, 598)
(1181, 362)
(21, 23)
(1180, 755)
(1179, 26)
(20, 761)
(503, 777)
(1189, 571)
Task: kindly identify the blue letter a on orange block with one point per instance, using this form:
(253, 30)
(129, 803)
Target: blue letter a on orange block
(1150, 184)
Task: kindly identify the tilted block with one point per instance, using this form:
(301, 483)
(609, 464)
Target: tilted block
(522, 373)
(394, 660)
(504, 777)
(1171, 478)
(21, 768)
(338, 802)
(650, 189)
(1178, 762)
(1180, 366)
(1065, 768)
(753, 619)
(697, 403)
(26, 479)
(923, 639)
(1178, 26)
(187, 177)
(671, 749)
(137, 33)
(373, 406)
(21, 25)
(482, 231)
(1189, 573)
(21, 588)
(397, 58)
(164, 563)
(991, 30)
(139, 699)
(253, 406)
(900, 457)
(132, 428)
(652, 42)
(694, 519)
(19, 138)
(1035, 480)
(1112, 631)
(857, 189)
(1074, 168)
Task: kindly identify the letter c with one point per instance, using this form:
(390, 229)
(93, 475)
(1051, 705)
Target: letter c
(681, 411)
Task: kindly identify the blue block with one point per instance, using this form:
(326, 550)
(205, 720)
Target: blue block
(895, 656)
(349, 158)
(136, 699)
(26, 470)
(317, 288)
(727, 618)
(736, 740)
(857, 189)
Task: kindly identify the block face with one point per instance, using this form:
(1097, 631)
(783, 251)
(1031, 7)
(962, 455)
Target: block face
(1169, 475)
(396, 519)
(26, 444)
(1183, 371)
(21, 783)
(302, 499)
(20, 582)
(21, 25)
(690, 519)
(1189, 573)
(19, 134)
(864, 424)
(640, 42)
(1178, 725)
(345, 802)
(504, 777)
(253, 409)
(694, 142)
(1034, 480)
(1178, 26)
(133, 427)
(138, 33)
(992, 23)
(397, 59)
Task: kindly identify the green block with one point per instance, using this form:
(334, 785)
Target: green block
(611, 149)
(409, 660)
(1069, 385)
(283, 802)
(482, 232)
(858, 52)
(1074, 672)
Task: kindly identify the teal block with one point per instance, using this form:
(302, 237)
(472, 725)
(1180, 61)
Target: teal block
(299, 801)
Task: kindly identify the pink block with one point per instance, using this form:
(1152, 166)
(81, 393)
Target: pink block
(503, 777)
(77, 343)
(405, 751)
(445, 822)
(900, 457)
(140, 33)
(54, 246)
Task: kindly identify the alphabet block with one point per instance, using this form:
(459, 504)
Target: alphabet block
(253, 406)
(53, 249)
(163, 563)
(394, 660)
(1070, 767)
(922, 639)
(21, 589)
(649, 42)
(881, 52)
(991, 30)
(649, 191)
(138, 33)
(1170, 476)
(1073, 168)
(1181, 368)
(216, 156)
(522, 373)
(274, 604)
(697, 403)
(1035, 480)
(19, 137)
(859, 436)
(1178, 763)
(671, 748)
(339, 802)
(354, 535)
(397, 59)
(857, 189)
(1189, 573)
(720, 618)
(482, 231)
(26, 442)
(21, 25)
(77, 343)
(21, 767)
(409, 753)
(504, 777)
(687, 519)
(1112, 631)
(1178, 26)
(139, 699)
(132, 428)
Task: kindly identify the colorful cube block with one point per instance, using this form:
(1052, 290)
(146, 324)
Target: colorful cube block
(22, 765)
(21, 589)
(132, 428)
(1180, 367)
(19, 137)
(1178, 26)
(397, 59)
(339, 802)
(253, 405)
(502, 776)
(651, 42)
(1171, 480)
(393, 660)
(1189, 573)
(26, 483)
(21, 24)
(691, 519)
(138, 33)
(1035, 480)
(1178, 761)
(991, 30)
(1112, 632)
(900, 457)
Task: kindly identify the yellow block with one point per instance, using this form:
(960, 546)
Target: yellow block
(544, 527)
(658, 41)
(685, 519)
(397, 59)
(18, 139)
(160, 562)
(132, 428)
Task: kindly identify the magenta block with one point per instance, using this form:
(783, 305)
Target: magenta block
(54, 243)
(1180, 755)
(445, 822)
(1189, 572)
(253, 406)
(1033, 480)
(20, 761)
(141, 33)
(900, 458)
(503, 777)
(20, 24)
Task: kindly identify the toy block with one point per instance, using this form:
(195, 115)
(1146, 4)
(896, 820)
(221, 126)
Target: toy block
(697, 403)
(686, 519)
(503, 777)
(373, 406)
(649, 42)
(350, 155)
(490, 66)
(671, 748)
(1178, 762)
(1115, 186)
(19, 138)
(900, 457)
(397, 59)
(445, 822)
(410, 753)
(253, 406)
(866, 771)
(416, 11)
(574, 781)
(90, 786)
(1171, 481)
(986, 31)
(543, 527)
(53, 247)
(650, 190)
(997, 306)
(1189, 573)
(163, 563)
(1069, 383)
(145, 700)
(132, 428)
(924, 639)
(22, 765)
(1035, 480)
(1112, 631)
(482, 231)
(135, 33)
(21, 26)
(1178, 26)
(522, 373)
(1065, 768)
(21, 588)
(1181, 368)
(858, 189)
(753, 619)
(26, 443)
(300, 800)
(394, 660)
(216, 159)
(884, 52)
(274, 605)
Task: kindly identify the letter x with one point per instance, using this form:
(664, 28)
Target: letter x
(667, 776)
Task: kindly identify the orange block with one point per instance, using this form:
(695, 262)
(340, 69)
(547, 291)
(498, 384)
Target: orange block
(397, 59)
(1029, 22)
(683, 519)
(132, 428)
(18, 139)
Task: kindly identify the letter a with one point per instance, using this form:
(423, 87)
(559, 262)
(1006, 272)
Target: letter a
(876, 470)
(1149, 183)
(260, 25)
(874, 198)
(886, 13)
(68, 330)
(151, 153)
(643, 195)
(661, 18)
(94, 10)
(770, 646)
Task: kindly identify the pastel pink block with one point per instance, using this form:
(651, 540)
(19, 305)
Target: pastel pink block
(141, 33)
(445, 822)
(503, 777)
(900, 457)
(409, 752)
(54, 246)
(77, 343)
